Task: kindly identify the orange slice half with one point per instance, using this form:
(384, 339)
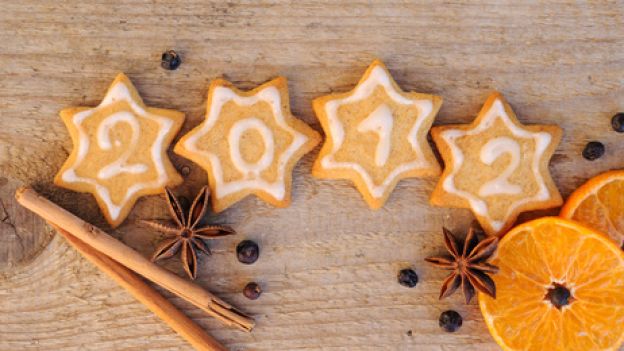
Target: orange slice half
(560, 287)
(599, 204)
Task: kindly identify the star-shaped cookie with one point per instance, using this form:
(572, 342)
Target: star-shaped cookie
(496, 166)
(120, 150)
(376, 135)
(248, 143)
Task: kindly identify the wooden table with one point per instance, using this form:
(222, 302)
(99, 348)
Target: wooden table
(328, 264)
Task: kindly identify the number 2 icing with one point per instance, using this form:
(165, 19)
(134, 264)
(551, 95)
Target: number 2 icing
(496, 166)
(376, 135)
(248, 143)
(119, 150)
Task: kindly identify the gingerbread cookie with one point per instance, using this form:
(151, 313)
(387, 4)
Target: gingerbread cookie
(119, 150)
(376, 135)
(248, 143)
(496, 166)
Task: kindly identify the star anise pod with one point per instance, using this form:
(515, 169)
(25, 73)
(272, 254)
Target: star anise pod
(468, 263)
(187, 232)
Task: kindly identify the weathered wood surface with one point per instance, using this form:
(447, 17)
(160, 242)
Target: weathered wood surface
(328, 264)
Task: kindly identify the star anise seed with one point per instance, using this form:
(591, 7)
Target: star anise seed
(468, 264)
(187, 232)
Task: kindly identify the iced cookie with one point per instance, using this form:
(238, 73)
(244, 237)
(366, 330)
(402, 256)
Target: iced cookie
(496, 166)
(248, 143)
(376, 135)
(120, 150)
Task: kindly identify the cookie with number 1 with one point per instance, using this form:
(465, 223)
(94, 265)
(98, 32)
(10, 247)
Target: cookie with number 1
(120, 150)
(376, 135)
(248, 143)
(496, 166)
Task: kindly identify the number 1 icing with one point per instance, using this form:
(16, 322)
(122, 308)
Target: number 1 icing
(119, 150)
(248, 143)
(496, 166)
(376, 135)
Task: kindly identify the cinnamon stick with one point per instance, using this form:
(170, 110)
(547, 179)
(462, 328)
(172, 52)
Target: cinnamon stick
(145, 294)
(116, 250)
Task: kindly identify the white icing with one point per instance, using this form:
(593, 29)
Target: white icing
(251, 170)
(270, 95)
(103, 139)
(490, 152)
(377, 77)
(117, 93)
(479, 206)
(380, 121)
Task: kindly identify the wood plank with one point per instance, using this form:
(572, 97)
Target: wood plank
(328, 264)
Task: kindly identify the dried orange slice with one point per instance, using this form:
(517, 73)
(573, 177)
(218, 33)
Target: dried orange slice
(599, 204)
(560, 287)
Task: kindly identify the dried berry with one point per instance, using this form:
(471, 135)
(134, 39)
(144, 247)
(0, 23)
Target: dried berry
(407, 277)
(247, 252)
(450, 321)
(170, 60)
(252, 291)
(593, 150)
(617, 122)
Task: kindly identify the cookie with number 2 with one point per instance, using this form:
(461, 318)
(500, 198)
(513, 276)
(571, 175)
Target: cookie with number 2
(496, 166)
(120, 150)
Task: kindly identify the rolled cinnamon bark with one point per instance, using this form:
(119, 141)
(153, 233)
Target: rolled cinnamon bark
(126, 256)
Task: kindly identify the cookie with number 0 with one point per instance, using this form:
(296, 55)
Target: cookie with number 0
(120, 150)
(248, 143)
(376, 135)
(496, 166)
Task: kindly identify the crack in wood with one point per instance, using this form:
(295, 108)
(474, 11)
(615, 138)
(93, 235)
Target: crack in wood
(6, 219)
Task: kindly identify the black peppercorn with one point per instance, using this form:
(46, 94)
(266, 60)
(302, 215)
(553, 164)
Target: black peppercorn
(450, 321)
(252, 291)
(617, 122)
(170, 60)
(247, 252)
(407, 277)
(593, 150)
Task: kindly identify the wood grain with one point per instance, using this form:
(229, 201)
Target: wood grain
(328, 264)
(145, 294)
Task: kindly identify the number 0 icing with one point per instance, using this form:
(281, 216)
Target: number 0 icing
(119, 92)
(252, 180)
(251, 169)
(380, 121)
(491, 150)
